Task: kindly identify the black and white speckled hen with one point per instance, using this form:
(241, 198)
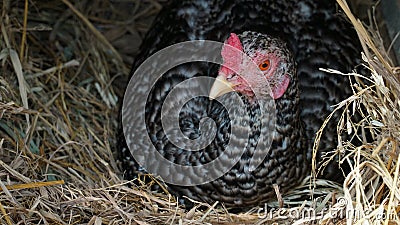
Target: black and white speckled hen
(290, 41)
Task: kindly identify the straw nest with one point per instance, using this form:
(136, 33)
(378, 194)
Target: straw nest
(58, 111)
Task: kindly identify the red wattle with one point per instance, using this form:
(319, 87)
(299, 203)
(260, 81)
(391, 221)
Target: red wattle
(279, 90)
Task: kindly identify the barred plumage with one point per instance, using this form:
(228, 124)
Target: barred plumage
(316, 36)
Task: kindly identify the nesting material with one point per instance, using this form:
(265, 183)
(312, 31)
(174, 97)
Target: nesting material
(58, 120)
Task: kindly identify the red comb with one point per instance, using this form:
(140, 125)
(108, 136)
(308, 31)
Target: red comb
(232, 57)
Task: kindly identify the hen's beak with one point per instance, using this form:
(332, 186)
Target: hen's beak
(220, 87)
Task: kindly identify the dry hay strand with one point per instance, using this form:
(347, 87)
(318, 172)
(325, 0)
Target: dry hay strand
(58, 124)
(371, 191)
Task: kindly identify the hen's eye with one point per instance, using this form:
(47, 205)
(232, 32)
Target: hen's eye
(265, 65)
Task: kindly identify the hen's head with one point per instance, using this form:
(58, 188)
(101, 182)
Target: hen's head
(269, 57)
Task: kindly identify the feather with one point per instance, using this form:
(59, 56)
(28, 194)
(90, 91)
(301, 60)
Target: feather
(316, 36)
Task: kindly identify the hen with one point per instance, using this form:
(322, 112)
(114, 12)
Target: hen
(288, 41)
